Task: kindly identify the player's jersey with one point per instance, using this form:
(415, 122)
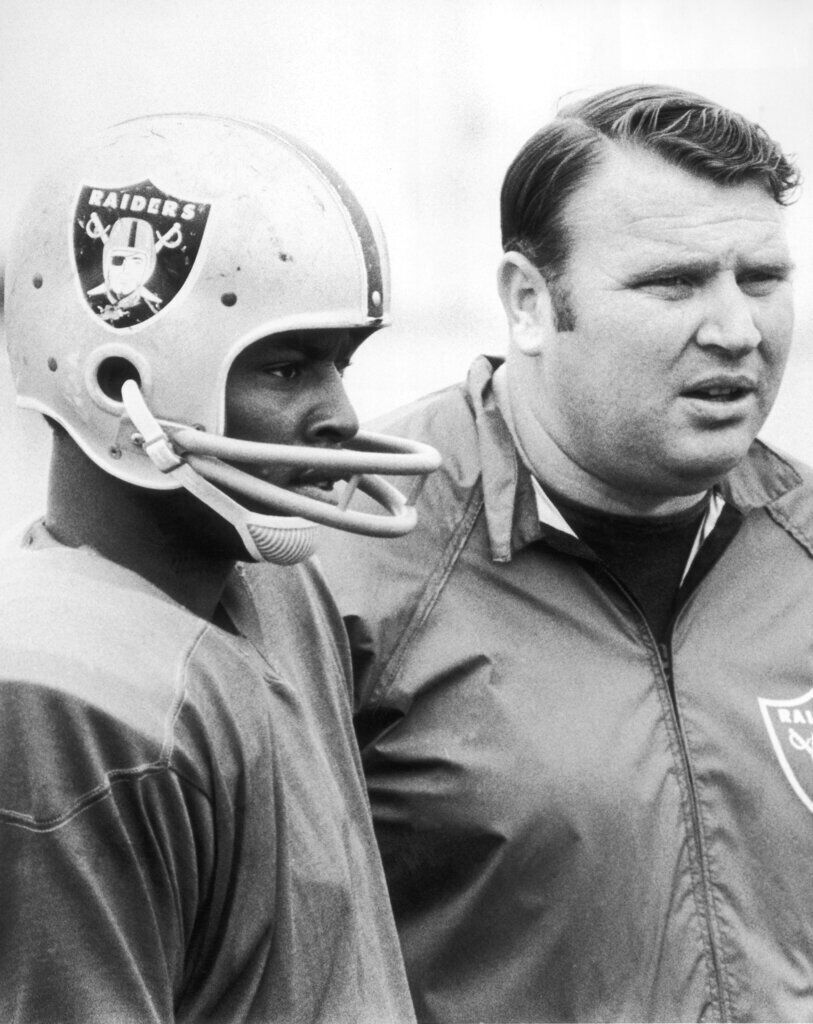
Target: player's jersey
(183, 830)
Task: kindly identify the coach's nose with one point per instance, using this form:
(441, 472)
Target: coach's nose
(728, 321)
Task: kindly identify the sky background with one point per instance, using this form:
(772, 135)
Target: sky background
(421, 104)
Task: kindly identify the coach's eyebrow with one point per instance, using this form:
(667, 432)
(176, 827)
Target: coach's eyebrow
(700, 269)
(697, 269)
(773, 268)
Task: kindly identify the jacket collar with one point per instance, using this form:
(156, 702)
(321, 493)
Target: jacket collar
(764, 478)
(510, 506)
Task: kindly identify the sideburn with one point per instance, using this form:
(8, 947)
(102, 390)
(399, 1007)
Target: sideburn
(563, 314)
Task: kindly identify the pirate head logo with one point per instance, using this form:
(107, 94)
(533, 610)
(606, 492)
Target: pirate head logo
(134, 248)
(790, 727)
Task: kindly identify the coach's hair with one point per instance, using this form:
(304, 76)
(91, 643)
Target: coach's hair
(683, 128)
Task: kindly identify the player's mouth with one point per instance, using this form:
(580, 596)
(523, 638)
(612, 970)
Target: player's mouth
(312, 484)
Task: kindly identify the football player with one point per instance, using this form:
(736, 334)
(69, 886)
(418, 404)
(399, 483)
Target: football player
(184, 832)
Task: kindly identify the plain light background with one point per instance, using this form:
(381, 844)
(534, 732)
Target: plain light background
(421, 104)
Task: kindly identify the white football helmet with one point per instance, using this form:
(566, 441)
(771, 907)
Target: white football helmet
(145, 263)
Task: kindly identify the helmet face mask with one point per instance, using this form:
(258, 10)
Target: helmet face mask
(157, 254)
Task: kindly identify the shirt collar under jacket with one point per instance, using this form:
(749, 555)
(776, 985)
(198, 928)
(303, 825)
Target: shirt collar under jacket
(516, 506)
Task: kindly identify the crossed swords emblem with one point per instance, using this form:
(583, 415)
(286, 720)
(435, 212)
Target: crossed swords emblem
(170, 240)
(798, 742)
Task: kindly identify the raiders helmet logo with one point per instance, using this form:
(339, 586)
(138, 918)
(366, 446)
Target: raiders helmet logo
(790, 727)
(134, 248)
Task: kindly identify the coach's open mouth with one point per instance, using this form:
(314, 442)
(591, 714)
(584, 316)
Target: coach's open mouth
(721, 389)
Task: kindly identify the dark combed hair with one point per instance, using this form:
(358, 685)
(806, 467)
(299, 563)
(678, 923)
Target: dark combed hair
(683, 128)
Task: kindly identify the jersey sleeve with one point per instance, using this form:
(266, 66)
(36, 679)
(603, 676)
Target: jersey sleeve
(100, 871)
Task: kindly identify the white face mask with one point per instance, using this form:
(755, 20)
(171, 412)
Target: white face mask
(197, 460)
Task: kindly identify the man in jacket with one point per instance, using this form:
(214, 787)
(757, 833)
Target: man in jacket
(585, 683)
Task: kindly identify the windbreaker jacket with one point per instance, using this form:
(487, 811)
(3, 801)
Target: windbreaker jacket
(566, 835)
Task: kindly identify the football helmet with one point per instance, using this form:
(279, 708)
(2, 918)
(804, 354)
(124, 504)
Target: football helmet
(146, 262)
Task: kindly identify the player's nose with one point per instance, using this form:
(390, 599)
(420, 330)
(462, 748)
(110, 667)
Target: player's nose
(333, 419)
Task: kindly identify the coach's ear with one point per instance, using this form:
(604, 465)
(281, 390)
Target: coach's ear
(527, 303)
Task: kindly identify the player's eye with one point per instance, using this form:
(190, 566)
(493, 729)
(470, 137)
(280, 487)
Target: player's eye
(283, 371)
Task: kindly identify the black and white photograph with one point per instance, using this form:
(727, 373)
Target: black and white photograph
(406, 511)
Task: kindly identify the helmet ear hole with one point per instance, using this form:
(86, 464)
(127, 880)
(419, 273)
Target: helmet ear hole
(111, 374)
(106, 371)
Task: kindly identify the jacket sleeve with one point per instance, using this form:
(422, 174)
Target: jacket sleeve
(387, 588)
(99, 872)
(376, 616)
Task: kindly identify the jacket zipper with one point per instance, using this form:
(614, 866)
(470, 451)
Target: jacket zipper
(664, 656)
(665, 662)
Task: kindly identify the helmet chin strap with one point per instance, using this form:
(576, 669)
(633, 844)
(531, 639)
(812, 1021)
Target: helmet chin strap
(283, 540)
(196, 459)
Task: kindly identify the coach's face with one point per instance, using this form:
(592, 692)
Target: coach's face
(681, 317)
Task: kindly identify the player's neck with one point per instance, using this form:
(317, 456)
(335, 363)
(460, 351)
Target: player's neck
(132, 527)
